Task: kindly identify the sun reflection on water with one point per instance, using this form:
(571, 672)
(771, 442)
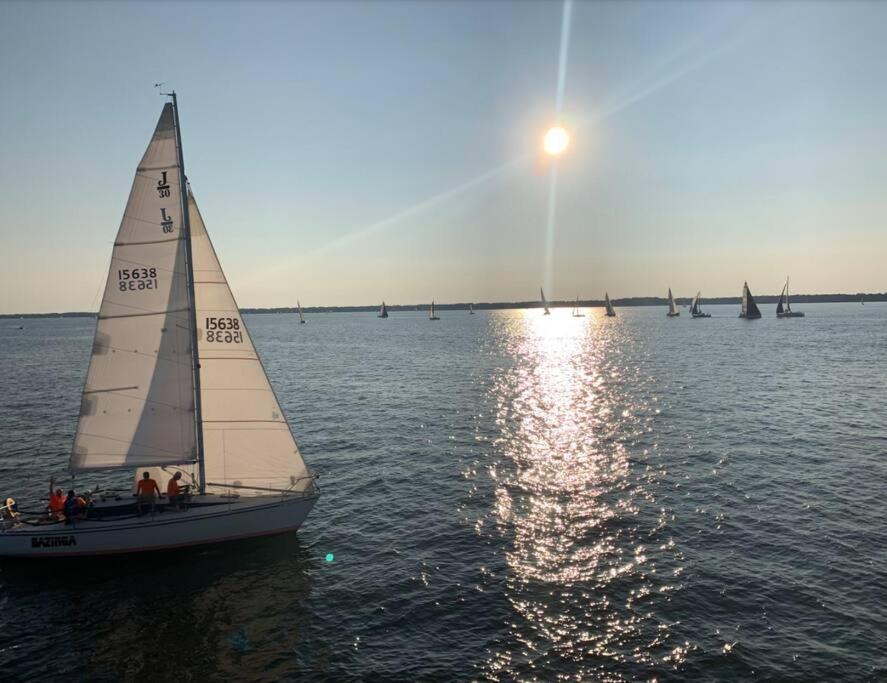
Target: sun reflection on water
(571, 502)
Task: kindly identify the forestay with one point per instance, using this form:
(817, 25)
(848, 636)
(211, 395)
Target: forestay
(138, 400)
(247, 441)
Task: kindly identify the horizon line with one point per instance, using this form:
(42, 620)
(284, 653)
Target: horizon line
(834, 297)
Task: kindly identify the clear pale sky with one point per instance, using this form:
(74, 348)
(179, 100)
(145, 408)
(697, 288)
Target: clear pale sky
(344, 153)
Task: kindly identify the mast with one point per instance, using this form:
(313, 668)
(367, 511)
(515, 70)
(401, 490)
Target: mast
(192, 304)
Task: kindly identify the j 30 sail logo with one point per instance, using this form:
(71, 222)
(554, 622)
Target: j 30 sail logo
(165, 221)
(163, 186)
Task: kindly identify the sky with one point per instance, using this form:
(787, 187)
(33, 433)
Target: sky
(343, 153)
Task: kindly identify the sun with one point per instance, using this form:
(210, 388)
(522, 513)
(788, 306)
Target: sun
(556, 140)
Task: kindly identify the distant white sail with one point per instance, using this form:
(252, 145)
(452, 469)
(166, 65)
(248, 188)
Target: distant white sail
(299, 305)
(672, 308)
(138, 399)
(608, 305)
(544, 302)
(246, 437)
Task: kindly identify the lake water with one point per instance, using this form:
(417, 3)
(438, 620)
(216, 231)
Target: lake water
(506, 496)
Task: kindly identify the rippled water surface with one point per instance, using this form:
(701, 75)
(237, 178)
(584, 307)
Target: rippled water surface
(506, 496)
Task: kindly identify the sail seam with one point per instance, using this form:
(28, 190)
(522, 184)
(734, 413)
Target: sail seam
(253, 359)
(138, 315)
(102, 391)
(136, 352)
(154, 168)
(142, 399)
(131, 443)
(130, 244)
(274, 422)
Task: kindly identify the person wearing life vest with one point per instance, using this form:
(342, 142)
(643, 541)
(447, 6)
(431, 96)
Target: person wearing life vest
(56, 507)
(147, 492)
(74, 508)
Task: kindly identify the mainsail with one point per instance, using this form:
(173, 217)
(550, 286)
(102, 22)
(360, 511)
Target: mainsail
(779, 307)
(138, 400)
(383, 312)
(544, 302)
(247, 441)
(694, 308)
(299, 306)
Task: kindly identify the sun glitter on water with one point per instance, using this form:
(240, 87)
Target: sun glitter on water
(556, 140)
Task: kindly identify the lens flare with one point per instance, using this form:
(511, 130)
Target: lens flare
(556, 140)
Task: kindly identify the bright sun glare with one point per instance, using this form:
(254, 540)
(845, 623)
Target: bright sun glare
(556, 140)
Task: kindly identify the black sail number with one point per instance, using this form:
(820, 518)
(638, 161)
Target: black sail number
(223, 331)
(136, 279)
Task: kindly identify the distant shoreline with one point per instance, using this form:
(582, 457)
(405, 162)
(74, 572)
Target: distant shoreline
(495, 306)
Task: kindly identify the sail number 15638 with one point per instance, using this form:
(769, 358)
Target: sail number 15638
(223, 330)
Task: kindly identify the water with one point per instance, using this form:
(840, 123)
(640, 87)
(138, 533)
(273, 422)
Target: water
(505, 496)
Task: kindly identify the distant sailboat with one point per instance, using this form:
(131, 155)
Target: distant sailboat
(576, 313)
(301, 317)
(609, 306)
(696, 308)
(673, 311)
(749, 308)
(383, 312)
(544, 302)
(431, 315)
(470, 309)
(786, 310)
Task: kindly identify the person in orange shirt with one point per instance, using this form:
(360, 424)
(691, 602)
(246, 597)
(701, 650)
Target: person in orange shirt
(147, 492)
(175, 492)
(56, 507)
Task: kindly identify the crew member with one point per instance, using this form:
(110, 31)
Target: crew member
(147, 492)
(175, 492)
(75, 507)
(56, 507)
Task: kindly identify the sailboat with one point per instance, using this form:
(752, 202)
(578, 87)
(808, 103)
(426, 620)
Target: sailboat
(301, 317)
(470, 309)
(383, 312)
(431, 315)
(749, 308)
(785, 311)
(576, 313)
(174, 385)
(696, 307)
(673, 311)
(611, 313)
(544, 302)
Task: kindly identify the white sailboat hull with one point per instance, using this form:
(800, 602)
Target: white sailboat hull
(216, 520)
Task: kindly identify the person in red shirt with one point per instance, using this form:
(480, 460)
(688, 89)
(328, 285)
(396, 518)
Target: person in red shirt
(147, 492)
(56, 506)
